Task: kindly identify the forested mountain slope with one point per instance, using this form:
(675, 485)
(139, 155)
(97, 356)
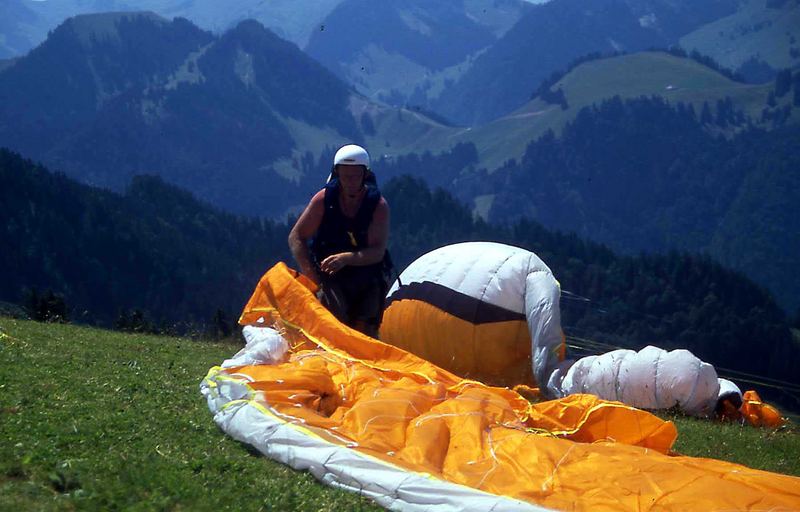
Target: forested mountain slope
(591, 80)
(640, 175)
(704, 163)
(158, 250)
(110, 96)
(155, 248)
(132, 93)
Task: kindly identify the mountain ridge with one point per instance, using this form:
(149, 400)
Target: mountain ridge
(27, 22)
(648, 73)
(401, 48)
(163, 98)
(551, 35)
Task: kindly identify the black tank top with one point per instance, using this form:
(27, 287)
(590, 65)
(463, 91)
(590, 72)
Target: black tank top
(339, 233)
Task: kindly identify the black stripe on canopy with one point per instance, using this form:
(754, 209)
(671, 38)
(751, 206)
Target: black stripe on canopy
(458, 304)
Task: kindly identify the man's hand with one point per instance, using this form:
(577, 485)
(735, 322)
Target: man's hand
(336, 262)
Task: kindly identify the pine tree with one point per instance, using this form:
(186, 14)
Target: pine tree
(705, 114)
(771, 99)
(783, 82)
(221, 325)
(47, 307)
(722, 114)
(796, 86)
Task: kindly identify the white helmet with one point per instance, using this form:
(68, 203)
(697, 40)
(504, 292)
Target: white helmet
(351, 154)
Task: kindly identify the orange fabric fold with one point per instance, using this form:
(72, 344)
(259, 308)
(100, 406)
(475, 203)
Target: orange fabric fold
(758, 413)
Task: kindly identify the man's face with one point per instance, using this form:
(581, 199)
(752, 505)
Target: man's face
(351, 177)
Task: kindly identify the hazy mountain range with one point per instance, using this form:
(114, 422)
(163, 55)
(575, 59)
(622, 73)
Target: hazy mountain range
(469, 61)
(231, 116)
(388, 50)
(25, 23)
(248, 122)
(128, 94)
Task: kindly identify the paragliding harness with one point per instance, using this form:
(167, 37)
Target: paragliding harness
(338, 233)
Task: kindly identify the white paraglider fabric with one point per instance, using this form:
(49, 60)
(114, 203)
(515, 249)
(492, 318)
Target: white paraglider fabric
(498, 275)
(487, 271)
(484, 283)
(652, 378)
(729, 390)
(263, 345)
(542, 295)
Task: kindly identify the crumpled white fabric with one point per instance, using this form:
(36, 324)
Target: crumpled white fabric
(651, 378)
(263, 345)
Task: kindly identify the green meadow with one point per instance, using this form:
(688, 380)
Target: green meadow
(677, 80)
(100, 420)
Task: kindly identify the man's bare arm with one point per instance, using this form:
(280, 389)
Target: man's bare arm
(304, 229)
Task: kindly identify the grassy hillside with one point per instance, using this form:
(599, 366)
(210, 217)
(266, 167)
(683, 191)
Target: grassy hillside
(101, 420)
(755, 30)
(660, 74)
(399, 130)
(628, 76)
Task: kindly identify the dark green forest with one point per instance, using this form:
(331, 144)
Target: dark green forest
(155, 249)
(156, 258)
(675, 300)
(646, 175)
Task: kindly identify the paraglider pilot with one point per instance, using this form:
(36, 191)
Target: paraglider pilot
(340, 240)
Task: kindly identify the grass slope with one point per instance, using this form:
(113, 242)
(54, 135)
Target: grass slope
(754, 30)
(628, 76)
(101, 420)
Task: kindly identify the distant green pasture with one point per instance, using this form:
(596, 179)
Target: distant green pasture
(770, 33)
